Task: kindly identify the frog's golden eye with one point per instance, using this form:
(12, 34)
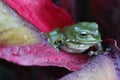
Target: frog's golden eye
(83, 34)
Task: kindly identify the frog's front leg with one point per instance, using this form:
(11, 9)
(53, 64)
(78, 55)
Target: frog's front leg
(99, 50)
(56, 38)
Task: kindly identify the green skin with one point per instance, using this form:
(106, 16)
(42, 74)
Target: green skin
(76, 38)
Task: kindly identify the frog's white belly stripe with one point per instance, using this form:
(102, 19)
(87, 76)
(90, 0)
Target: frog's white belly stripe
(75, 48)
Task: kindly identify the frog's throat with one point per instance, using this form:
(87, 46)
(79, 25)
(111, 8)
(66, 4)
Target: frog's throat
(90, 43)
(85, 43)
(75, 48)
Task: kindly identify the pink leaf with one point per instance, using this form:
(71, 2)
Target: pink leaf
(99, 68)
(39, 52)
(42, 54)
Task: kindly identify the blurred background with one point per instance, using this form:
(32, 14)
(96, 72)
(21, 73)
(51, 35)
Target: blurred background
(105, 12)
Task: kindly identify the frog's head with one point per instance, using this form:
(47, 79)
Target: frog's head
(81, 36)
(83, 33)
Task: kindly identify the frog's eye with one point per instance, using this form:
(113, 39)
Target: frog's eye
(83, 34)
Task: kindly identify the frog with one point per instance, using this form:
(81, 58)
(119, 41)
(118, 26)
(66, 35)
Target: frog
(77, 38)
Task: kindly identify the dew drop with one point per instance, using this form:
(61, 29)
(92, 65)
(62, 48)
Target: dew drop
(63, 60)
(28, 49)
(48, 50)
(7, 52)
(57, 52)
(42, 44)
(34, 51)
(56, 59)
(94, 70)
(46, 60)
(21, 52)
(81, 75)
(15, 51)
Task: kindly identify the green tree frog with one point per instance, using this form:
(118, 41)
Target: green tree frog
(77, 38)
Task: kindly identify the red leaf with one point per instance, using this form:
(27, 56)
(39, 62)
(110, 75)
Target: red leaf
(42, 13)
(43, 54)
(40, 52)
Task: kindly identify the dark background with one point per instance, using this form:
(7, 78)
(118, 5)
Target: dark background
(105, 12)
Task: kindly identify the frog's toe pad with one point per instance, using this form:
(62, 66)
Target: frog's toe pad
(91, 53)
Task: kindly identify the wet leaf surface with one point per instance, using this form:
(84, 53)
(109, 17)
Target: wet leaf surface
(99, 68)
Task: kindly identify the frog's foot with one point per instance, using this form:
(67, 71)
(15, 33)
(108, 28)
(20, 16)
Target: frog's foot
(91, 53)
(108, 49)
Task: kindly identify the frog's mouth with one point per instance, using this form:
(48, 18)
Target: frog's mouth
(77, 48)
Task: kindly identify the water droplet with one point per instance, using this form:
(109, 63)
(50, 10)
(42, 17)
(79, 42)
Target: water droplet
(48, 50)
(21, 52)
(81, 75)
(56, 59)
(57, 51)
(42, 44)
(7, 52)
(47, 60)
(94, 70)
(28, 49)
(34, 51)
(15, 53)
(64, 60)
